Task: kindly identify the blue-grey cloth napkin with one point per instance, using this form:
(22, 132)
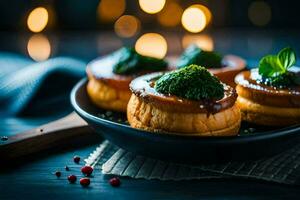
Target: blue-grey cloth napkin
(27, 87)
(282, 168)
(33, 93)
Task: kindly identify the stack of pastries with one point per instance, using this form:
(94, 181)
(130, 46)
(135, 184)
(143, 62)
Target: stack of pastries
(194, 100)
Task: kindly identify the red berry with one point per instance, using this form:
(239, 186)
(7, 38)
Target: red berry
(72, 178)
(85, 182)
(87, 170)
(76, 159)
(57, 174)
(115, 182)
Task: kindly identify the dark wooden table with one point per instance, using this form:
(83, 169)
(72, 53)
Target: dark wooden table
(34, 179)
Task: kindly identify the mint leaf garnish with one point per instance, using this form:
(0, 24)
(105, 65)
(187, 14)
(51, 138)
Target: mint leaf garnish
(269, 65)
(274, 68)
(287, 57)
(274, 65)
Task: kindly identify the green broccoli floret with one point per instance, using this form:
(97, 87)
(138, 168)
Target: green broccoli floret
(192, 82)
(195, 55)
(128, 61)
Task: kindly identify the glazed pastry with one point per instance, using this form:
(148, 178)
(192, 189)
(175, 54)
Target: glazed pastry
(187, 101)
(109, 77)
(225, 68)
(270, 95)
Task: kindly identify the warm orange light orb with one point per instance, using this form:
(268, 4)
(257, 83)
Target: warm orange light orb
(127, 26)
(206, 12)
(152, 6)
(110, 10)
(39, 47)
(203, 41)
(37, 19)
(193, 19)
(152, 44)
(171, 9)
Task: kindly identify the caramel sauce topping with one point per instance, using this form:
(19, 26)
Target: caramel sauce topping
(143, 87)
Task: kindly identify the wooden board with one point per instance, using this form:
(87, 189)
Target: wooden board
(59, 133)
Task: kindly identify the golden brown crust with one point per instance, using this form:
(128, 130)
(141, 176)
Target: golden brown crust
(266, 105)
(113, 80)
(267, 115)
(146, 116)
(108, 97)
(143, 87)
(266, 95)
(107, 89)
(268, 99)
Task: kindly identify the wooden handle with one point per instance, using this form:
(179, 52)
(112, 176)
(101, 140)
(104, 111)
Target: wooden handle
(57, 133)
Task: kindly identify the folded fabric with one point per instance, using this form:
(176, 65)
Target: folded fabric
(32, 88)
(282, 168)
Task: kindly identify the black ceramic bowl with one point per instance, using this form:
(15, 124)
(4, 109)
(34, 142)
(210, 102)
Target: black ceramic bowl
(253, 142)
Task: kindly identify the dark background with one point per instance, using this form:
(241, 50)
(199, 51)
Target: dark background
(74, 28)
(80, 14)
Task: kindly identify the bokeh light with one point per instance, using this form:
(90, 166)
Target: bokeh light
(39, 47)
(206, 12)
(110, 10)
(152, 44)
(127, 26)
(259, 13)
(152, 6)
(203, 41)
(37, 19)
(172, 8)
(193, 19)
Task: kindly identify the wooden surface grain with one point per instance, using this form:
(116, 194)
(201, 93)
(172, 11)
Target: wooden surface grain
(54, 134)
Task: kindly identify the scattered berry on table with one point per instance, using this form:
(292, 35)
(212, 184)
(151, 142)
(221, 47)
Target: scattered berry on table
(115, 182)
(87, 170)
(57, 174)
(72, 178)
(76, 159)
(85, 182)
